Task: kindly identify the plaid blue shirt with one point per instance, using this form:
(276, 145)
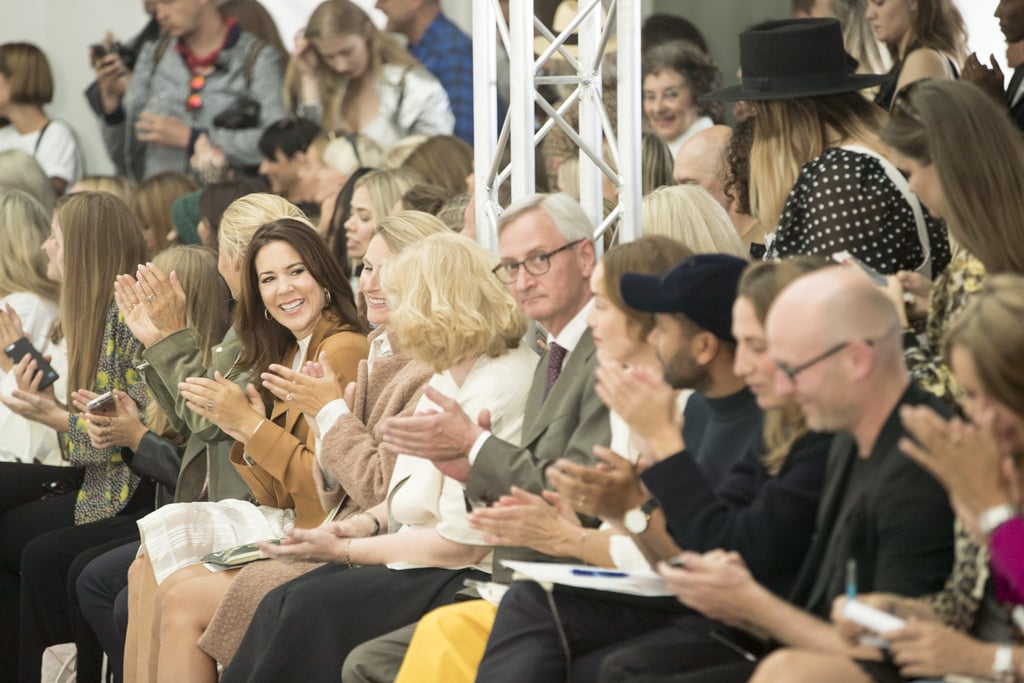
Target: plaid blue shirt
(447, 53)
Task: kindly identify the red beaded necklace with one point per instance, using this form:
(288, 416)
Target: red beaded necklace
(194, 63)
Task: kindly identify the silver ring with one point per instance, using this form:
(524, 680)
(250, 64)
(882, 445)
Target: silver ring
(149, 298)
(209, 405)
(288, 397)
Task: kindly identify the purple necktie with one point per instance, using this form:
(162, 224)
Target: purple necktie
(556, 354)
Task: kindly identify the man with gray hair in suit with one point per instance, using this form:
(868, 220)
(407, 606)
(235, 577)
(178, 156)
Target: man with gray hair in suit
(547, 257)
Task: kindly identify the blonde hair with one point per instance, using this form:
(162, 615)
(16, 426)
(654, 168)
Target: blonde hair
(444, 159)
(385, 187)
(447, 306)
(152, 200)
(689, 214)
(346, 153)
(245, 215)
(759, 285)
(790, 133)
(25, 226)
(402, 150)
(101, 241)
(117, 185)
(331, 19)
(406, 228)
(19, 171)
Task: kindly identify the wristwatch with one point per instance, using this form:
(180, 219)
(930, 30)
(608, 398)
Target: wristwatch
(992, 518)
(637, 519)
(1002, 665)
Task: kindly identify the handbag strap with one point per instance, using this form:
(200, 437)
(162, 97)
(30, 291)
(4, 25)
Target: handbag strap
(903, 186)
(35, 150)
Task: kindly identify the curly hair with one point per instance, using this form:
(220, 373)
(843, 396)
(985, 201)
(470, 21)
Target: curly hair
(737, 162)
(697, 68)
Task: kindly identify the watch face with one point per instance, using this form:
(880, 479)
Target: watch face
(635, 521)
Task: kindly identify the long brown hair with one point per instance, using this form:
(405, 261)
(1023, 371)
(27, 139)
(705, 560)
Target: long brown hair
(264, 340)
(101, 241)
(938, 25)
(979, 157)
(207, 309)
(760, 284)
(991, 330)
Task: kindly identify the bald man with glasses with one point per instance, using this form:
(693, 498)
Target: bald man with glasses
(836, 343)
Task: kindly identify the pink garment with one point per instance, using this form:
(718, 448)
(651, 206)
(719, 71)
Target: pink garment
(1007, 549)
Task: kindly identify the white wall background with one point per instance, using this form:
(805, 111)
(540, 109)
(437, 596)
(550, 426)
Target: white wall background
(65, 28)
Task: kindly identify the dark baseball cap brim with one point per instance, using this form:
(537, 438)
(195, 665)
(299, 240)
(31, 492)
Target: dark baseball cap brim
(647, 293)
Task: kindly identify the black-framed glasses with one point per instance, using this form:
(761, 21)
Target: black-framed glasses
(792, 371)
(535, 265)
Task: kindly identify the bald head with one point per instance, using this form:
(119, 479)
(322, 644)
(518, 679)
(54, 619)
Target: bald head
(701, 160)
(835, 304)
(835, 338)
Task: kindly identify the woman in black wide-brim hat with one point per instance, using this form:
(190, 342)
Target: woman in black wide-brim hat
(818, 176)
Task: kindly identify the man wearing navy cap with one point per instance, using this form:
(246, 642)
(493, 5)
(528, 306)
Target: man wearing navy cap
(692, 304)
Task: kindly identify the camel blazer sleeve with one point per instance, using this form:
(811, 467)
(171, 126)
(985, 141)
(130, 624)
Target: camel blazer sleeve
(281, 450)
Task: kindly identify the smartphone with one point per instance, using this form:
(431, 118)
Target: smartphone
(17, 351)
(103, 405)
(846, 258)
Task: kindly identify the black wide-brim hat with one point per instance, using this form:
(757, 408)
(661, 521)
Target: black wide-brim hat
(794, 58)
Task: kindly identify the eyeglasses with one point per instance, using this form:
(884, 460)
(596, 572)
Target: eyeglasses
(195, 99)
(536, 265)
(792, 372)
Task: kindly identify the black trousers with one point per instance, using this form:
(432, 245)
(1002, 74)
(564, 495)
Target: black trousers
(103, 598)
(602, 632)
(50, 611)
(28, 508)
(303, 630)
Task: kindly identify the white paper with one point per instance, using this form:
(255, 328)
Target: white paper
(644, 582)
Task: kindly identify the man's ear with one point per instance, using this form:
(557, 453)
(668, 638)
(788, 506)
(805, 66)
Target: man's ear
(704, 346)
(587, 255)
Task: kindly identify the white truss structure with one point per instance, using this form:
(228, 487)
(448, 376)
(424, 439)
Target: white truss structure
(591, 28)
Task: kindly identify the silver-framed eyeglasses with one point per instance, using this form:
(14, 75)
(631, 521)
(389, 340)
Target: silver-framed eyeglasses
(535, 265)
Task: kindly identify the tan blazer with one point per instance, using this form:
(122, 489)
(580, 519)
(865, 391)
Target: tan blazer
(282, 449)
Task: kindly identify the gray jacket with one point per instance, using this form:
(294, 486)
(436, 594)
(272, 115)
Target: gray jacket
(163, 86)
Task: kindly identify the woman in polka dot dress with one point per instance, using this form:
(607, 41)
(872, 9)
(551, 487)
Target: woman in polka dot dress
(816, 167)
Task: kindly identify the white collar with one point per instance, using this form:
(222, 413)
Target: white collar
(570, 335)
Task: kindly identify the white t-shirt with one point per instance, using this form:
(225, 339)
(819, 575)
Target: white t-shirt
(57, 152)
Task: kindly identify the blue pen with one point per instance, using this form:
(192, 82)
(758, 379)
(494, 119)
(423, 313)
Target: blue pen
(851, 579)
(602, 573)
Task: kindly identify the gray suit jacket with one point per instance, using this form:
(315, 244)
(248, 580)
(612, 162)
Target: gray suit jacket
(568, 424)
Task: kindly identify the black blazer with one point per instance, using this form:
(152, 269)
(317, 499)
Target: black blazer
(899, 528)
(769, 520)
